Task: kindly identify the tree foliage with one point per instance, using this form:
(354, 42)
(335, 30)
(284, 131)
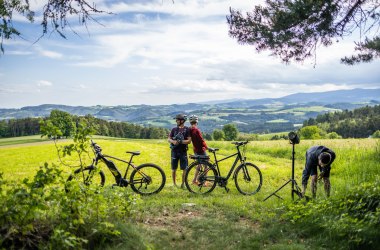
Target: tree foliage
(43, 213)
(293, 29)
(357, 123)
(310, 132)
(230, 131)
(63, 121)
(55, 16)
(218, 135)
(376, 134)
(350, 219)
(67, 125)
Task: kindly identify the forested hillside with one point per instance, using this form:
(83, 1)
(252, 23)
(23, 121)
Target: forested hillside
(250, 115)
(31, 126)
(357, 123)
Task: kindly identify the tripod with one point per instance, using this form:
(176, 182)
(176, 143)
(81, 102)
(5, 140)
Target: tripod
(295, 188)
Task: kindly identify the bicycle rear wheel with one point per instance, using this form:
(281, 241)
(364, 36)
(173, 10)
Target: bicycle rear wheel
(248, 179)
(200, 177)
(147, 179)
(88, 175)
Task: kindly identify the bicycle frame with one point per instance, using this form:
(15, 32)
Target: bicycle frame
(238, 158)
(112, 166)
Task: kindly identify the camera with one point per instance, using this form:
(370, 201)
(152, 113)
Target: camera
(293, 138)
(179, 138)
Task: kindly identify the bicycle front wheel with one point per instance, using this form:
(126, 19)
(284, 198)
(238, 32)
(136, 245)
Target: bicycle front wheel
(248, 179)
(200, 177)
(147, 179)
(88, 175)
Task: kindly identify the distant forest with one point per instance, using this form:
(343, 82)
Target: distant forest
(31, 126)
(357, 123)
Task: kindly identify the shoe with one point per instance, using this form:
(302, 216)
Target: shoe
(207, 184)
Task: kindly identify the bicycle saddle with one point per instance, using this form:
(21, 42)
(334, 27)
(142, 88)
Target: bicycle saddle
(213, 149)
(133, 152)
(200, 157)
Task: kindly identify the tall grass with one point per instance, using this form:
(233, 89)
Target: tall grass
(230, 220)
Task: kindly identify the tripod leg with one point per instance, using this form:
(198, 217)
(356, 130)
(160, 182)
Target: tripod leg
(298, 192)
(274, 193)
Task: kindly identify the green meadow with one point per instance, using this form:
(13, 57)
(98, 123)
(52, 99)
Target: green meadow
(175, 218)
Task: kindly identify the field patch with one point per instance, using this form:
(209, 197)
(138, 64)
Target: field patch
(175, 218)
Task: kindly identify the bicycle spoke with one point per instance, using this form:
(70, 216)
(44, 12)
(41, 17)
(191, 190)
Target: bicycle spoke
(248, 179)
(200, 178)
(147, 179)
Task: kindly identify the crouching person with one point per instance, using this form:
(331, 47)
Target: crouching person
(318, 157)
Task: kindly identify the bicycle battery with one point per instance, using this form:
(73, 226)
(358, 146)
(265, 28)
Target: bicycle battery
(112, 168)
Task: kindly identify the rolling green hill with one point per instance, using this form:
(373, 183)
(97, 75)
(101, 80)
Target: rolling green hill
(250, 116)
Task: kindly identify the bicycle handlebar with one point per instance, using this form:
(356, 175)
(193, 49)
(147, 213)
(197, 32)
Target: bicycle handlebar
(240, 143)
(96, 147)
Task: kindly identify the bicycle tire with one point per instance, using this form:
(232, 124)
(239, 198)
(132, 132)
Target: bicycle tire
(248, 184)
(206, 180)
(87, 176)
(147, 179)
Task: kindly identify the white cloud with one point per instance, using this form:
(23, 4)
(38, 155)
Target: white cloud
(44, 83)
(190, 8)
(19, 52)
(196, 87)
(153, 52)
(50, 54)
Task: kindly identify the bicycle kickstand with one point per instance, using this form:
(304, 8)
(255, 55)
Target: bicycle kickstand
(227, 189)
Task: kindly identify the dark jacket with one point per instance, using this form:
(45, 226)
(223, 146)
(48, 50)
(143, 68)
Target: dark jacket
(312, 161)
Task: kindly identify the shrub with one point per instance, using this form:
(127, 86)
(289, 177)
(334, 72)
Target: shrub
(247, 137)
(333, 135)
(376, 134)
(311, 132)
(39, 213)
(352, 219)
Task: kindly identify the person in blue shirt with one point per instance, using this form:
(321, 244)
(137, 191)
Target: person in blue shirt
(322, 157)
(179, 138)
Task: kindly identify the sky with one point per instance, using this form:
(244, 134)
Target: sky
(158, 52)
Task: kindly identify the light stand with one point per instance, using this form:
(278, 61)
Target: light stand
(293, 139)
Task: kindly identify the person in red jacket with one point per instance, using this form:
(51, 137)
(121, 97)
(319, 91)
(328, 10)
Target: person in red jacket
(199, 144)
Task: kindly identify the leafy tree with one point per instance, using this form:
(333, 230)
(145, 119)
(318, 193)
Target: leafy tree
(333, 135)
(3, 128)
(310, 132)
(293, 29)
(55, 16)
(230, 131)
(63, 121)
(376, 134)
(357, 123)
(218, 135)
(207, 136)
